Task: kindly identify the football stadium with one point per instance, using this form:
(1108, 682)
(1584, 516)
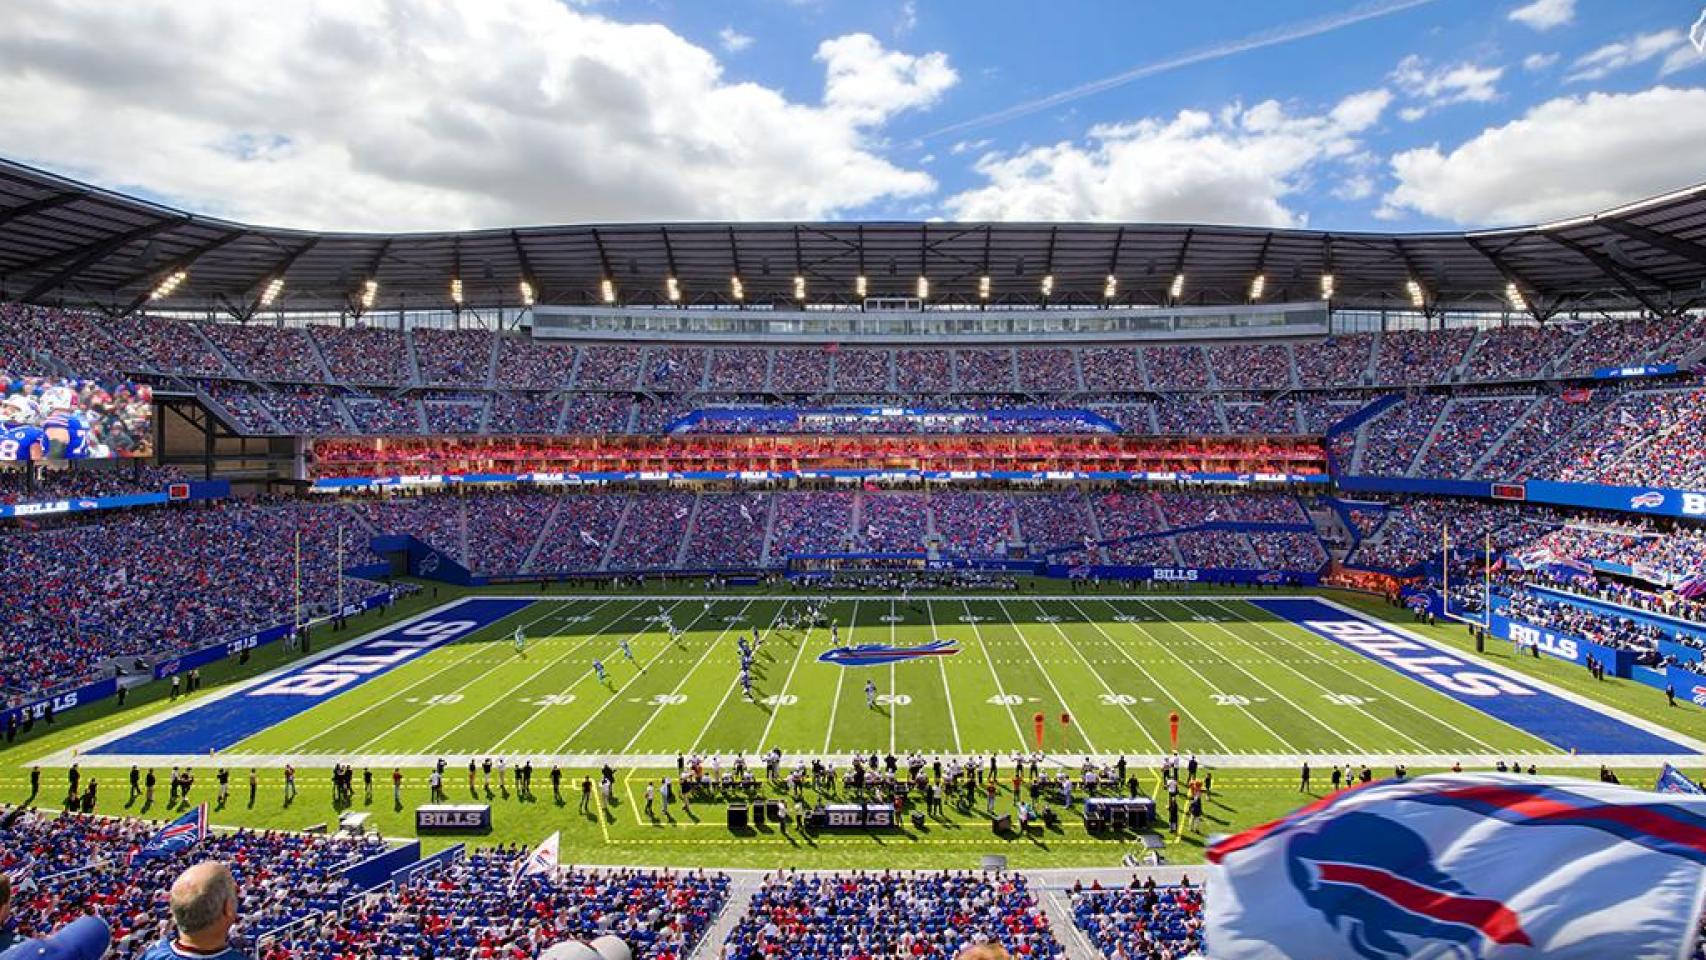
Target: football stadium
(834, 534)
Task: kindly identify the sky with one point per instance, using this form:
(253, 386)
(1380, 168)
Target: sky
(396, 115)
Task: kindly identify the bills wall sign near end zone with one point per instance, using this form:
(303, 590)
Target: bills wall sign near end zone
(882, 654)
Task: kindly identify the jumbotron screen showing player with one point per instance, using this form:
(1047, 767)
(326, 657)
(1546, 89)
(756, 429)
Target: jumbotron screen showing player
(51, 418)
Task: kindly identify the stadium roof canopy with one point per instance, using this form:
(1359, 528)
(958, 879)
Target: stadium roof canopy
(68, 243)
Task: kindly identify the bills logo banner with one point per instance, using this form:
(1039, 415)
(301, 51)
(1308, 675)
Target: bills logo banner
(1479, 867)
(1651, 500)
(881, 654)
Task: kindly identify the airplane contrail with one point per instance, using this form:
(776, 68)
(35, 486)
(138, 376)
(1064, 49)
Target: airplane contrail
(1256, 41)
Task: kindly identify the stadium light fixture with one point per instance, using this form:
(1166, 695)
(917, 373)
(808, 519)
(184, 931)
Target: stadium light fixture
(673, 287)
(369, 293)
(982, 287)
(799, 286)
(456, 290)
(860, 286)
(171, 283)
(607, 290)
(923, 287)
(736, 288)
(1110, 287)
(1048, 284)
(527, 295)
(1514, 295)
(274, 287)
(1177, 290)
(1258, 284)
(1418, 296)
(1327, 286)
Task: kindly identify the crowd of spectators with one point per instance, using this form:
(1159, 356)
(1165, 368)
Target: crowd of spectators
(810, 522)
(1177, 368)
(1112, 369)
(528, 364)
(77, 865)
(579, 532)
(986, 371)
(1286, 551)
(1417, 529)
(1317, 412)
(892, 522)
(1548, 421)
(167, 344)
(95, 588)
(601, 413)
(1620, 343)
(652, 532)
(447, 415)
(385, 413)
(862, 371)
(608, 366)
(1049, 520)
(738, 369)
(1561, 616)
(434, 519)
(482, 906)
(33, 339)
(1273, 416)
(972, 523)
(673, 369)
(921, 371)
(1516, 353)
(1255, 366)
(1392, 439)
(453, 358)
(1188, 414)
(1214, 549)
(878, 915)
(502, 528)
(728, 531)
(1047, 369)
(1467, 431)
(527, 413)
(280, 409)
(1655, 443)
(800, 370)
(1340, 361)
(267, 352)
(1141, 921)
(366, 356)
(1420, 356)
(108, 480)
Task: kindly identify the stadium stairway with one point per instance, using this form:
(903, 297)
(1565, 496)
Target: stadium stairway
(547, 524)
(414, 361)
(771, 505)
(616, 533)
(743, 884)
(1499, 444)
(1057, 906)
(687, 534)
(1417, 458)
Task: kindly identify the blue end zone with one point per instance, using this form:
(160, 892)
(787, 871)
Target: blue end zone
(1562, 723)
(230, 720)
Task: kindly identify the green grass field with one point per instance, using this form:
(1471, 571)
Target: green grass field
(1241, 681)
(1252, 691)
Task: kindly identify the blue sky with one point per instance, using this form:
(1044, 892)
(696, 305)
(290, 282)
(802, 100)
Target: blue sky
(432, 114)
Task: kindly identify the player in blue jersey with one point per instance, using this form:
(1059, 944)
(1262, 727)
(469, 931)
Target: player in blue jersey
(627, 651)
(20, 438)
(67, 434)
(598, 668)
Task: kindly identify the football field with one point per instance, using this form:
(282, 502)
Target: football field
(1251, 681)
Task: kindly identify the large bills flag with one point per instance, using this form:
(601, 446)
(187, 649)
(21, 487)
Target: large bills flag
(175, 837)
(1672, 780)
(1484, 866)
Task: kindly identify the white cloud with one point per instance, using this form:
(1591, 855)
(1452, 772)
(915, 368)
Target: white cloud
(1435, 87)
(1545, 14)
(733, 40)
(1684, 56)
(969, 146)
(1239, 165)
(907, 18)
(1625, 53)
(1565, 157)
(1356, 187)
(869, 84)
(416, 114)
(1536, 62)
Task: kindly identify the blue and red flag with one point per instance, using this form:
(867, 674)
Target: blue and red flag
(175, 837)
(882, 654)
(1487, 866)
(1672, 780)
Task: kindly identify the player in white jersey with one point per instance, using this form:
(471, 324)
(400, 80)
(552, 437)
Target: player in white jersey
(520, 643)
(870, 694)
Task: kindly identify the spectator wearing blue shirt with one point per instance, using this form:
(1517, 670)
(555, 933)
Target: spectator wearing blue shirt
(204, 908)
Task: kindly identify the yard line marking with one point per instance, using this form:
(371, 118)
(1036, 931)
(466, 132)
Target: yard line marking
(1364, 681)
(535, 675)
(479, 648)
(1098, 675)
(616, 694)
(840, 678)
(1268, 687)
(999, 689)
(799, 654)
(638, 602)
(712, 719)
(1304, 676)
(1159, 686)
(688, 676)
(947, 688)
(1047, 676)
(473, 649)
(894, 712)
